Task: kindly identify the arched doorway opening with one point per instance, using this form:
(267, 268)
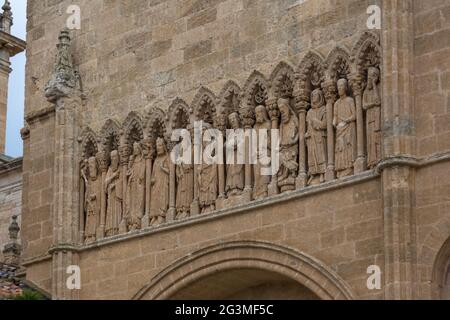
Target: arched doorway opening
(245, 284)
(246, 270)
(441, 273)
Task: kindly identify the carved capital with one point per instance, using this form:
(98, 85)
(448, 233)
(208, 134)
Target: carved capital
(248, 117)
(272, 109)
(301, 99)
(330, 91)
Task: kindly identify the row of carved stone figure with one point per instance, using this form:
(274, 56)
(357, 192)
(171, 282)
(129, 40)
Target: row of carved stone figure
(150, 190)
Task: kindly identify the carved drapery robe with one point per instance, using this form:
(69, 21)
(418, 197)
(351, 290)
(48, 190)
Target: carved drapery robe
(136, 193)
(159, 199)
(235, 181)
(185, 189)
(372, 105)
(93, 207)
(114, 192)
(345, 123)
(207, 187)
(262, 181)
(316, 140)
(289, 139)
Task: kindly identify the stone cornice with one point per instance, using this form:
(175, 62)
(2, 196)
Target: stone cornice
(34, 260)
(39, 114)
(13, 44)
(413, 162)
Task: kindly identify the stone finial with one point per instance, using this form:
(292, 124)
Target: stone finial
(6, 17)
(65, 79)
(13, 249)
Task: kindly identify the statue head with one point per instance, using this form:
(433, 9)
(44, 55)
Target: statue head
(373, 76)
(317, 99)
(115, 160)
(261, 114)
(160, 147)
(235, 121)
(93, 168)
(342, 86)
(285, 110)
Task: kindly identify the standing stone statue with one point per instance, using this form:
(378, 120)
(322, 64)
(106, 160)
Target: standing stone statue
(113, 190)
(262, 182)
(316, 138)
(372, 106)
(345, 123)
(185, 189)
(135, 197)
(93, 190)
(207, 182)
(159, 199)
(289, 148)
(235, 172)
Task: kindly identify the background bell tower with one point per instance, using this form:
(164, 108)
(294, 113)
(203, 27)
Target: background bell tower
(9, 47)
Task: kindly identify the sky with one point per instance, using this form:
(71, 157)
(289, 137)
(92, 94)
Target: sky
(14, 146)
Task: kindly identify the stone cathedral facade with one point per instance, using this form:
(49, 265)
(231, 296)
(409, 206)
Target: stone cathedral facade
(364, 122)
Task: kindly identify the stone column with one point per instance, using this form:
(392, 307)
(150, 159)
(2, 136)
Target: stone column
(361, 160)
(103, 162)
(63, 91)
(329, 88)
(148, 155)
(248, 121)
(399, 137)
(124, 156)
(301, 105)
(274, 114)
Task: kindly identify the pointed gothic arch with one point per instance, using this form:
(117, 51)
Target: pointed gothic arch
(89, 144)
(311, 71)
(282, 80)
(133, 128)
(366, 53)
(256, 90)
(338, 64)
(110, 135)
(204, 105)
(179, 115)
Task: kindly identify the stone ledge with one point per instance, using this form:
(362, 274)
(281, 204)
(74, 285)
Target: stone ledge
(251, 206)
(38, 114)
